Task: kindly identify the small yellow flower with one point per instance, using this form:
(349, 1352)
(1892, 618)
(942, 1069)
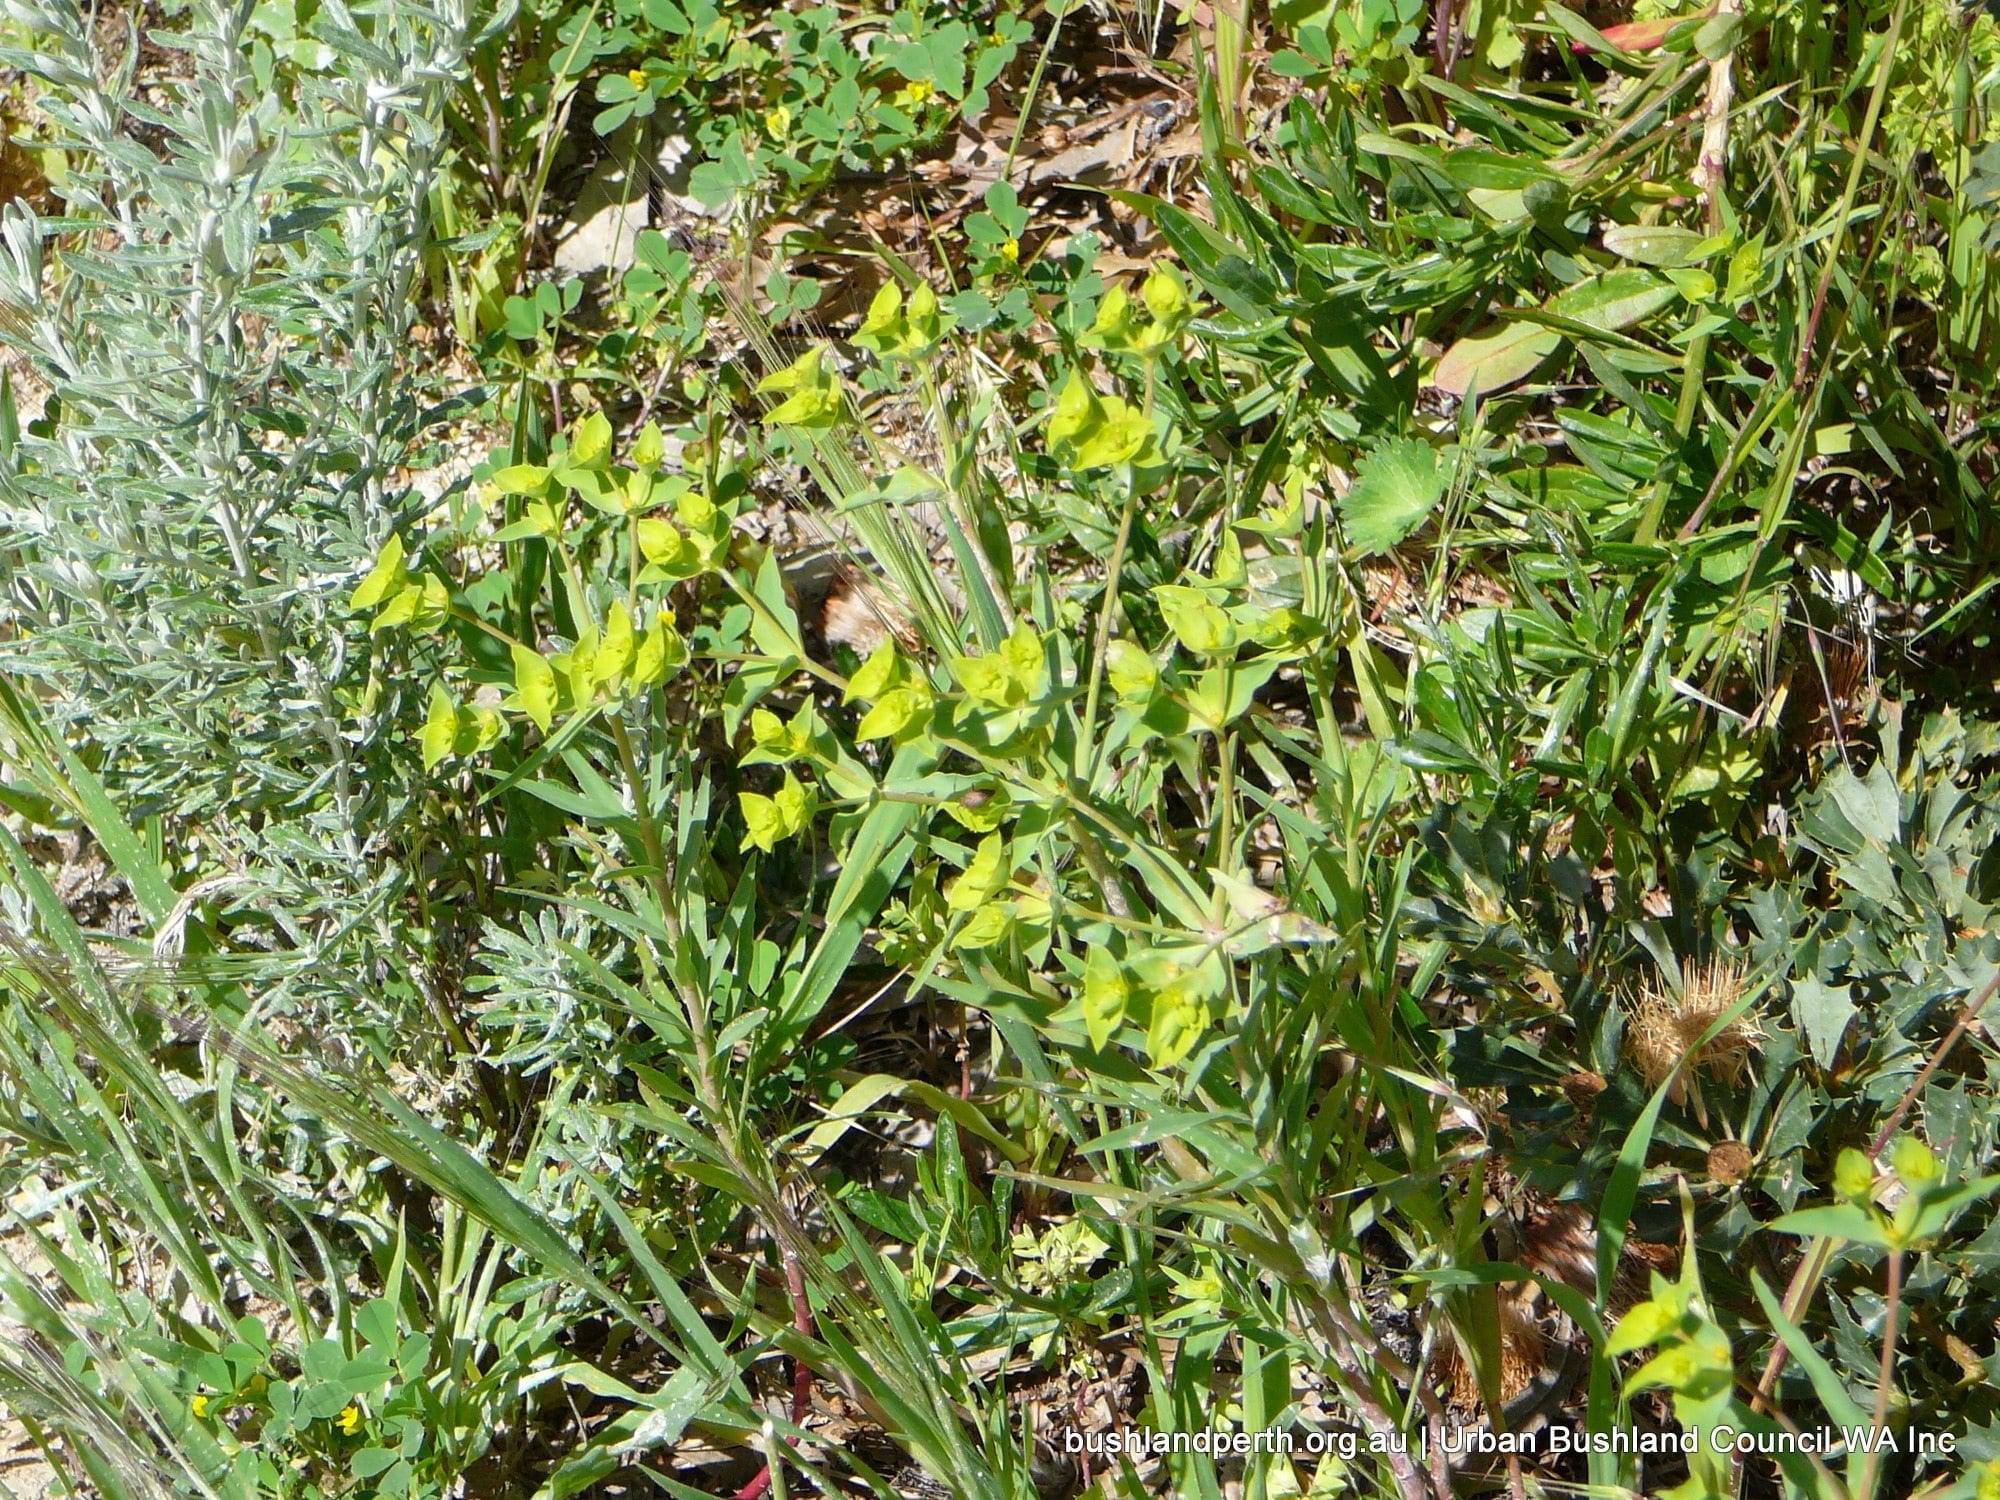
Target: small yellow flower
(200, 1404)
(914, 94)
(636, 78)
(778, 121)
(994, 39)
(349, 1420)
(1010, 251)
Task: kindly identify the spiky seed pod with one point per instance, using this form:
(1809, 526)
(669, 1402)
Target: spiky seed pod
(1666, 1026)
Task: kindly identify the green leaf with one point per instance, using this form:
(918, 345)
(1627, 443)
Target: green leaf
(1822, 1012)
(1395, 489)
(591, 447)
(534, 687)
(660, 651)
(812, 392)
(440, 734)
(1489, 362)
(1200, 624)
(386, 577)
(875, 676)
(614, 651)
(1130, 671)
(1664, 245)
(1105, 993)
(1844, 1221)
(1642, 1327)
(897, 714)
(1617, 299)
(1178, 1023)
(771, 820)
(983, 879)
(522, 479)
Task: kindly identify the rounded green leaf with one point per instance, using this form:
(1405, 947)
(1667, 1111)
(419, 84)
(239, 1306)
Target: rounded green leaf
(1395, 489)
(534, 687)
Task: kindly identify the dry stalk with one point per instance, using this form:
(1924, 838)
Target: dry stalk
(1713, 167)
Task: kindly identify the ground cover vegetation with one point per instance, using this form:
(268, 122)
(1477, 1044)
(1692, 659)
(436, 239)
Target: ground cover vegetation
(782, 749)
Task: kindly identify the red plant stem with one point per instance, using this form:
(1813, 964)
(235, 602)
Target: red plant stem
(802, 1375)
(1887, 1376)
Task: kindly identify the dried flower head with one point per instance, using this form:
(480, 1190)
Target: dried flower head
(1666, 1028)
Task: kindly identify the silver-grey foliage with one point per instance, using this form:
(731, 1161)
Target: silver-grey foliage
(224, 312)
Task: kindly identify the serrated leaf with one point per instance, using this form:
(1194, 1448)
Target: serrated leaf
(1395, 489)
(1822, 1012)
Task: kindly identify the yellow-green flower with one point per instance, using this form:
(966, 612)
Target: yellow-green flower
(778, 121)
(1010, 250)
(916, 93)
(200, 1405)
(349, 1420)
(636, 78)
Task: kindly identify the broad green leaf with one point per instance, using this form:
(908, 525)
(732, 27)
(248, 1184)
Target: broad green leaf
(440, 734)
(614, 652)
(1616, 300)
(386, 577)
(896, 714)
(771, 820)
(1494, 360)
(1395, 489)
(988, 927)
(1663, 245)
(1130, 671)
(591, 448)
(1105, 993)
(522, 479)
(1078, 412)
(1844, 1221)
(1201, 625)
(1177, 1025)
(811, 391)
(534, 687)
(660, 651)
(662, 545)
(985, 877)
(875, 676)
